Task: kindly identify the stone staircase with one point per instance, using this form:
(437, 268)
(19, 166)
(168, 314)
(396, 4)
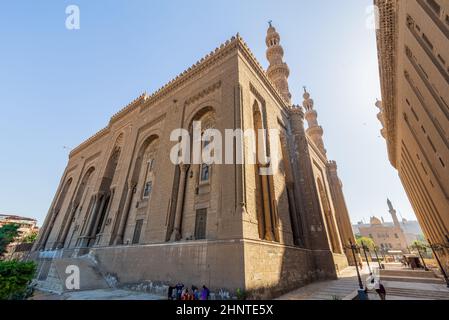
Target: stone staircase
(51, 282)
(419, 276)
(418, 294)
(54, 273)
(338, 290)
(345, 288)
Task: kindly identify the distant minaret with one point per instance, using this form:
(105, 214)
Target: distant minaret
(315, 131)
(393, 213)
(278, 70)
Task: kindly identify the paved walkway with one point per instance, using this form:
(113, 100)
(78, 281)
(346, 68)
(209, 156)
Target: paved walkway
(346, 284)
(399, 290)
(101, 294)
(410, 286)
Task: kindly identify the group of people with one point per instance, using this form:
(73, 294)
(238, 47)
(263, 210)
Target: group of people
(179, 292)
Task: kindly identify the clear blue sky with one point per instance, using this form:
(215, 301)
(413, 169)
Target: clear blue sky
(58, 87)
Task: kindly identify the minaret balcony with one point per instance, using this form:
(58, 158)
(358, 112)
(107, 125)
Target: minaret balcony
(275, 50)
(317, 130)
(282, 69)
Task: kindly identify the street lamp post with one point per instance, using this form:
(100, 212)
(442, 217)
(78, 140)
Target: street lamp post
(353, 248)
(377, 258)
(382, 251)
(366, 256)
(439, 263)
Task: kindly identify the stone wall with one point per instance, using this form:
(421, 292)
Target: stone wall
(273, 269)
(216, 264)
(264, 270)
(340, 262)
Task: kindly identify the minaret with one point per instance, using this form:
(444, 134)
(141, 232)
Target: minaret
(278, 70)
(393, 213)
(314, 131)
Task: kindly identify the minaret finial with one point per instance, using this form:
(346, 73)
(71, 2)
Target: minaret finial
(278, 70)
(270, 23)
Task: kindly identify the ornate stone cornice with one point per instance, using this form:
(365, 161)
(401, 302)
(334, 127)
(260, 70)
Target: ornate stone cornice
(89, 141)
(387, 36)
(236, 43)
(203, 93)
(130, 107)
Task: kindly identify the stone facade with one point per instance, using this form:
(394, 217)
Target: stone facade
(223, 225)
(413, 45)
(27, 227)
(386, 237)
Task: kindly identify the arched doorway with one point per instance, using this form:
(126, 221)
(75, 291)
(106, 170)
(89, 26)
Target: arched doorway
(55, 213)
(139, 187)
(75, 205)
(92, 231)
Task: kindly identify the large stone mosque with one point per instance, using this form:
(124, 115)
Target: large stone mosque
(124, 209)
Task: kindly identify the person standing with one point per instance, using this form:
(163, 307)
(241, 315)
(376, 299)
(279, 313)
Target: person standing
(185, 295)
(170, 292)
(179, 288)
(196, 293)
(380, 289)
(205, 293)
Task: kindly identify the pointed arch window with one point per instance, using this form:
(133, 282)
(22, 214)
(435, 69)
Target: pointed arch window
(148, 174)
(207, 122)
(147, 189)
(148, 186)
(205, 172)
(205, 168)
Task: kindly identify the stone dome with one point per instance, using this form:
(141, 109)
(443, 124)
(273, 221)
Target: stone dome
(375, 221)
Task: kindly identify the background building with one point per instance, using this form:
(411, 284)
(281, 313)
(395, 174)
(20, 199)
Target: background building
(27, 227)
(413, 49)
(390, 236)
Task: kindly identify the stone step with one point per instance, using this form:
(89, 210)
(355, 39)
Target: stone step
(434, 295)
(409, 273)
(90, 277)
(413, 279)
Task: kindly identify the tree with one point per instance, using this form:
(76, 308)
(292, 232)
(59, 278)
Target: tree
(366, 241)
(422, 246)
(15, 279)
(7, 235)
(30, 238)
(419, 245)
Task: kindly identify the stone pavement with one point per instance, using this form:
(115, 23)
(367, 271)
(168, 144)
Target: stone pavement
(100, 294)
(406, 284)
(343, 288)
(408, 288)
(399, 290)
